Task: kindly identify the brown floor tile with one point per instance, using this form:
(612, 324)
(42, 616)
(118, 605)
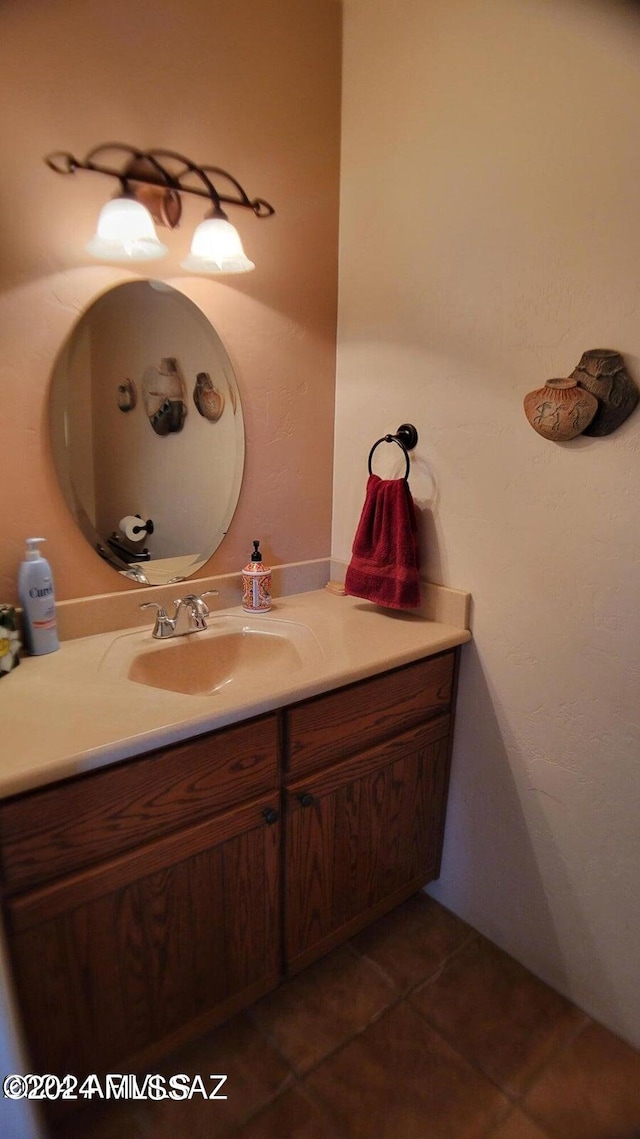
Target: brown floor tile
(291, 1115)
(400, 1080)
(121, 1121)
(399, 1068)
(190, 1120)
(591, 1089)
(517, 1126)
(497, 1014)
(255, 1074)
(312, 1014)
(412, 942)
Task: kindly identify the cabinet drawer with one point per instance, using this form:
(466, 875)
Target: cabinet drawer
(328, 728)
(48, 833)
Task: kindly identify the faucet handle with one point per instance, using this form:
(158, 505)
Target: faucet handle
(190, 614)
(203, 608)
(189, 601)
(163, 626)
(154, 605)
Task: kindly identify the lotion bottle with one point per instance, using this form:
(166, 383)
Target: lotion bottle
(35, 586)
(256, 584)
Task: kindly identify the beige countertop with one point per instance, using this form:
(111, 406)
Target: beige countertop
(76, 709)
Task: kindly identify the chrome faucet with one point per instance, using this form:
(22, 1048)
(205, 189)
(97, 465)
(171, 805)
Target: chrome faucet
(190, 615)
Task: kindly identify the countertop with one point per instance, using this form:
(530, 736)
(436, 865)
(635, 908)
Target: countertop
(74, 710)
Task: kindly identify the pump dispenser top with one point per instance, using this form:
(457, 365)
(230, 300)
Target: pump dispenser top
(37, 598)
(32, 553)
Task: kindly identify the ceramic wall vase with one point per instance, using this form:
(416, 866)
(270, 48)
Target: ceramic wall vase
(560, 410)
(602, 372)
(208, 399)
(127, 395)
(165, 396)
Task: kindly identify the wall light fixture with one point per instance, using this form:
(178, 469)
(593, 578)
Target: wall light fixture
(151, 185)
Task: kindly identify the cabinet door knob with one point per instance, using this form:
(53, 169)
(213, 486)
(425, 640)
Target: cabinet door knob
(270, 816)
(306, 799)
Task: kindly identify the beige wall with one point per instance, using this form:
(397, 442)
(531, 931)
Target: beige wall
(490, 233)
(252, 87)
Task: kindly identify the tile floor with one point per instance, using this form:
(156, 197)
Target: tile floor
(419, 1028)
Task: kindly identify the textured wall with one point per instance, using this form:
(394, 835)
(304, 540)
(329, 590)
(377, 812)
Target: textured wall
(252, 87)
(490, 232)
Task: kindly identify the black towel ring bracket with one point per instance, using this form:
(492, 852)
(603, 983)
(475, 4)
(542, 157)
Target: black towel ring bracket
(406, 437)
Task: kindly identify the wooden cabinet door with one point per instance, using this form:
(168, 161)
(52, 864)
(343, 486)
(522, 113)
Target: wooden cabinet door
(136, 955)
(361, 837)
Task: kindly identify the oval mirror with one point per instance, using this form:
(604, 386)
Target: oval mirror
(147, 432)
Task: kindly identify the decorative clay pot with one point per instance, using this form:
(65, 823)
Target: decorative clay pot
(127, 395)
(603, 373)
(164, 392)
(560, 410)
(207, 398)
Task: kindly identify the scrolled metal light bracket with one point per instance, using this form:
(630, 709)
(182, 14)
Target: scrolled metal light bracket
(157, 178)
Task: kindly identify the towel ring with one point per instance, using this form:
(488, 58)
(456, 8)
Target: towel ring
(406, 437)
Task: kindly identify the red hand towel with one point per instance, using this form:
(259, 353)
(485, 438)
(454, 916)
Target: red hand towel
(385, 560)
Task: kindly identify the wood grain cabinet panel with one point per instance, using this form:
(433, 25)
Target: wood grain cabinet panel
(328, 728)
(361, 837)
(59, 829)
(125, 961)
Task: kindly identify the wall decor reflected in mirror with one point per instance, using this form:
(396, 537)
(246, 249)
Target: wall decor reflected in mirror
(162, 460)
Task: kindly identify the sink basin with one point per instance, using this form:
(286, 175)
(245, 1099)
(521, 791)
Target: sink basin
(233, 650)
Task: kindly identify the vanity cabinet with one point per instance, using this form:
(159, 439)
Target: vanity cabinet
(147, 901)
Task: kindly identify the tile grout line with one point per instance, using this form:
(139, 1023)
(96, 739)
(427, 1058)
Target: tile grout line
(556, 1052)
(554, 1056)
(398, 997)
(428, 978)
(296, 1081)
(514, 1099)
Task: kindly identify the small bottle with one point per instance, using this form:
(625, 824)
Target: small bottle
(35, 586)
(256, 584)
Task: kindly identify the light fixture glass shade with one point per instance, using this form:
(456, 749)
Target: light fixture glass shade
(125, 232)
(217, 248)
